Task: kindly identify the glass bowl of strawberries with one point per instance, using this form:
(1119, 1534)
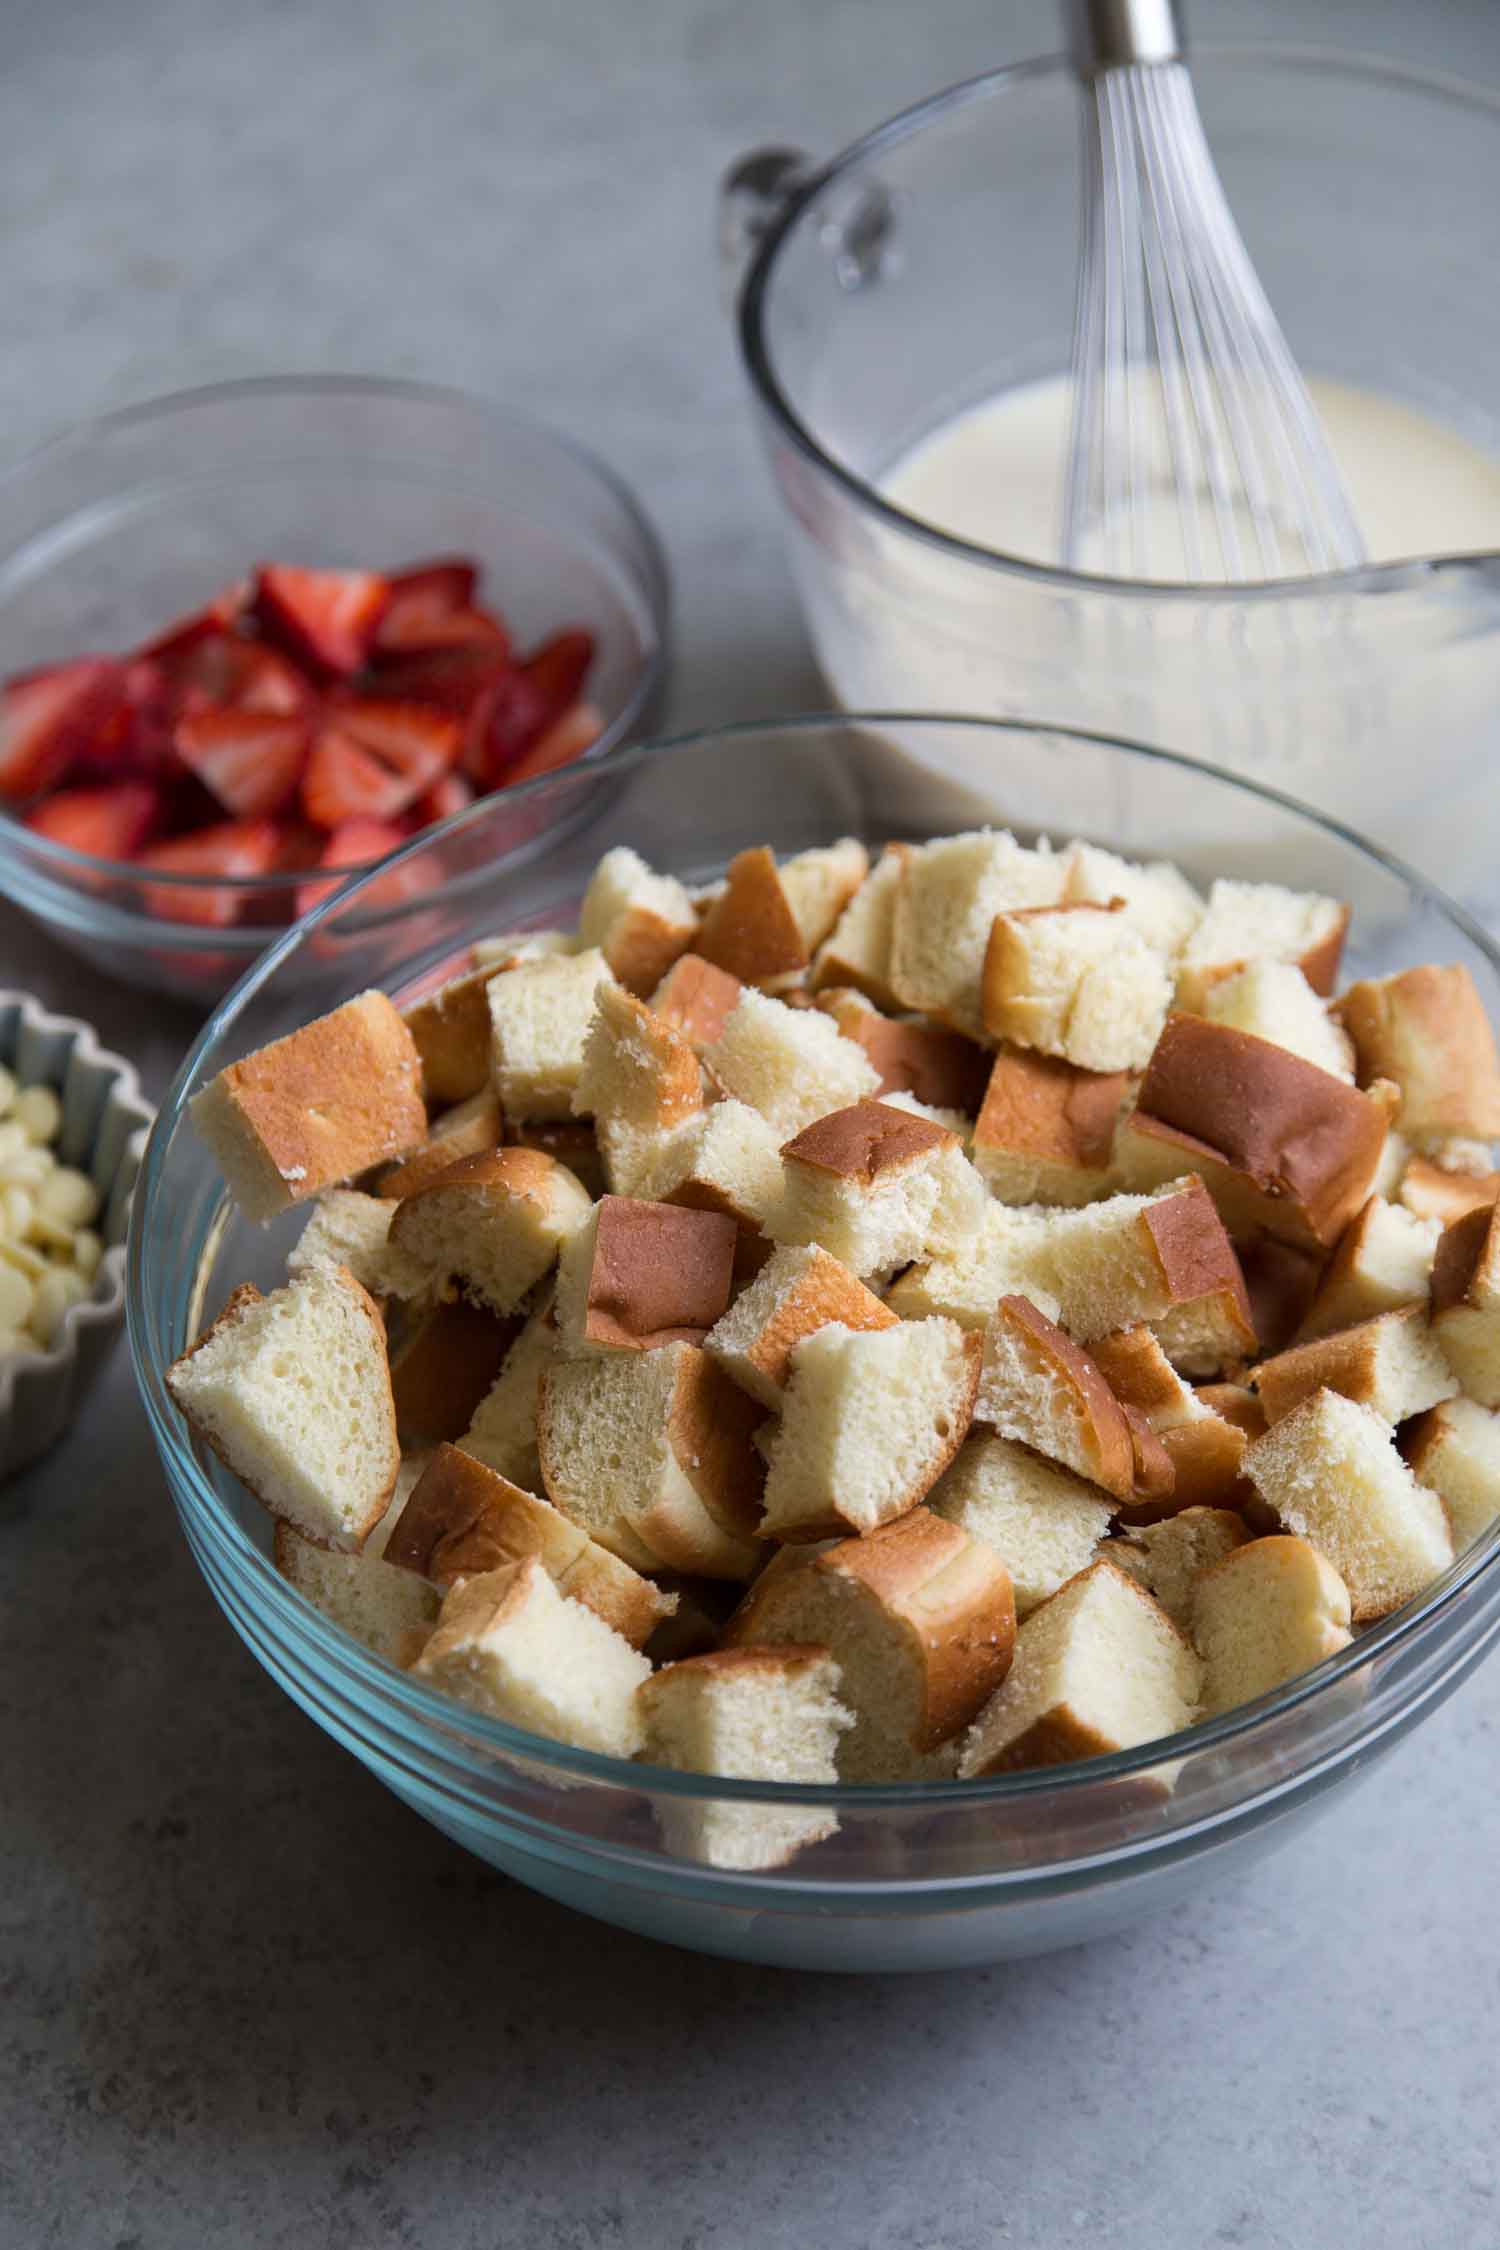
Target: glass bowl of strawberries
(254, 638)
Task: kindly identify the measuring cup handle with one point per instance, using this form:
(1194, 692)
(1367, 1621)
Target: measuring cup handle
(759, 189)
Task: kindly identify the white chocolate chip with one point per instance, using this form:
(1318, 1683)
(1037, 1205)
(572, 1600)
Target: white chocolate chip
(87, 1252)
(69, 1197)
(50, 1234)
(23, 1258)
(13, 1141)
(38, 1112)
(16, 1213)
(56, 1293)
(15, 1298)
(8, 1090)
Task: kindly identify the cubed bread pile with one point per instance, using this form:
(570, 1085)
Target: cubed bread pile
(986, 1308)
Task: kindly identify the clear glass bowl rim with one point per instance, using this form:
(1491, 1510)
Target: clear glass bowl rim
(906, 124)
(422, 1708)
(67, 863)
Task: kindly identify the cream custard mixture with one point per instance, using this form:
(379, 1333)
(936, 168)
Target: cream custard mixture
(991, 476)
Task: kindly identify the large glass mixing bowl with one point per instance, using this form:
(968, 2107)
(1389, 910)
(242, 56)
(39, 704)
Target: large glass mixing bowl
(934, 264)
(918, 1876)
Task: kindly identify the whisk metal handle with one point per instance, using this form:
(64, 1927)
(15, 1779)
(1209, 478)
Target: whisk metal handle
(1104, 34)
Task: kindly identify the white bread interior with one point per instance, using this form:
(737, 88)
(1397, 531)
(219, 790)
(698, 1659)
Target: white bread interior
(1076, 982)
(791, 1064)
(1169, 1557)
(799, 1290)
(1274, 1000)
(540, 1012)
(949, 894)
(639, 921)
(1261, 922)
(503, 1431)
(1043, 1522)
(353, 1230)
(1269, 1610)
(1454, 1449)
(1383, 1259)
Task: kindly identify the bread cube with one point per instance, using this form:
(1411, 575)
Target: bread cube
(469, 1128)
(1466, 1302)
(791, 1064)
(386, 1610)
(650, 1453)
(1393, 1364)
(1157, 901)
(1099, 1667)
(1265, 1613)
(293, 1393)
(1262, 922)
(696, 999)
(1038, 1387)
(495, 1223)
(1161, 1258)
(510, 948)
(1426, 1029)
(1454, 1449)
(1383, 1260)
(503, 1430)
(1273, 1000)
(751, 929)
(1205, 1449)
(1282, 1146)
(857, 953)
(640, 922)
(639, 1080)
(1076, 982)
(450, 1029)
(920, 1620)
(798, 1291)
(1428, 1191)
(1168, 1558)
(870, 1419)
(448, 1356)
(940, 1069)
(1331, 1472)
(637, 1275)
(353, 1230)
(509, 1644)
(316, 1108)
(728, 1159)
(878, 1187)
(1046, 1129)
(949, 895)
(463, 1519)
(540, 1014)
(1007, 1256)
(1042, 1521)
(753, 1714)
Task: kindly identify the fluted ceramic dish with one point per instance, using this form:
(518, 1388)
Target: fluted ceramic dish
(917, 1876)
(104, 1126)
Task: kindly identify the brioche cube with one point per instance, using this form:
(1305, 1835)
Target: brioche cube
(1383, 1260)
(939, 1069)
(1077, 982)
(1426, 1029)
(1099, 1667)
(1393, 1364)
(1263, 1614)
(540, 1013)
(509, 1644)
(1282, 1146)
(503, 1431)
(315, 1108)
(495, 1223)
(1466, 1302)
(1007, 1255)
(1169, 1557)
(450, 1029)
(1038, 1387)
(293, 1393)
(510, 948)
(386, 1610)
(639, 922)
(1205, 1449)
(1331, 1472)
(1430, 1192)
(1045, 1132)
(878, 1187)
(1454, 1449)
(650, 1453)
(448, 1355)
(696, 999)
(870, 1419)
(1262, 922)
(1042, 1521)
(639, 1081)
(751, 928)
(1274, 1000)
(728, 1159)
(920, 1620)
(949, 895)
(1151, 1258)
(820, 884)
(636, 1275)
(353, 1230)
(857, 952)
(799, 1290)
(791, 1064)
(467, 1129)
(1157, 900)
(753, 1714)
(463, 1519)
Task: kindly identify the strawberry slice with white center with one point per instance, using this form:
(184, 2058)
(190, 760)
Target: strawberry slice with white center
(48, 719)
(234, 848)
(325, 618)
(108, 823)
(432, 606)
(373, 759)
(251, 760)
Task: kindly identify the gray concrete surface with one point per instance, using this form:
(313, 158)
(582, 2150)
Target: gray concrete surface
(245, 1997)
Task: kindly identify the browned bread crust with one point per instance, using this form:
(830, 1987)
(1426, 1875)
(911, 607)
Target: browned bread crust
(445, 1365)
(660, 1273)
(1433, 1193)
(750, 929)
(1426, 1028)
(451, 1031)
(938, 1066)
(696, 998)
(1109, 1449)
(1040, 1106)
(865, 1140)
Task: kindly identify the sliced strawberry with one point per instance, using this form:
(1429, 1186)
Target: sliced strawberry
(220, 668)
(409, 737)
(234, 848)
(450, 795)
(566, 739)
(49, 719)
(220, 615)
(456, 679)
(355, 844)
(325, 618)
(251, 760)
(560, 667)
(424, 601)
(109, 823)
(524, 704)
(377, 758)
(341, 782)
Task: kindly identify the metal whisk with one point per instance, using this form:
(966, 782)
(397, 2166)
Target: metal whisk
(1195, 451)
